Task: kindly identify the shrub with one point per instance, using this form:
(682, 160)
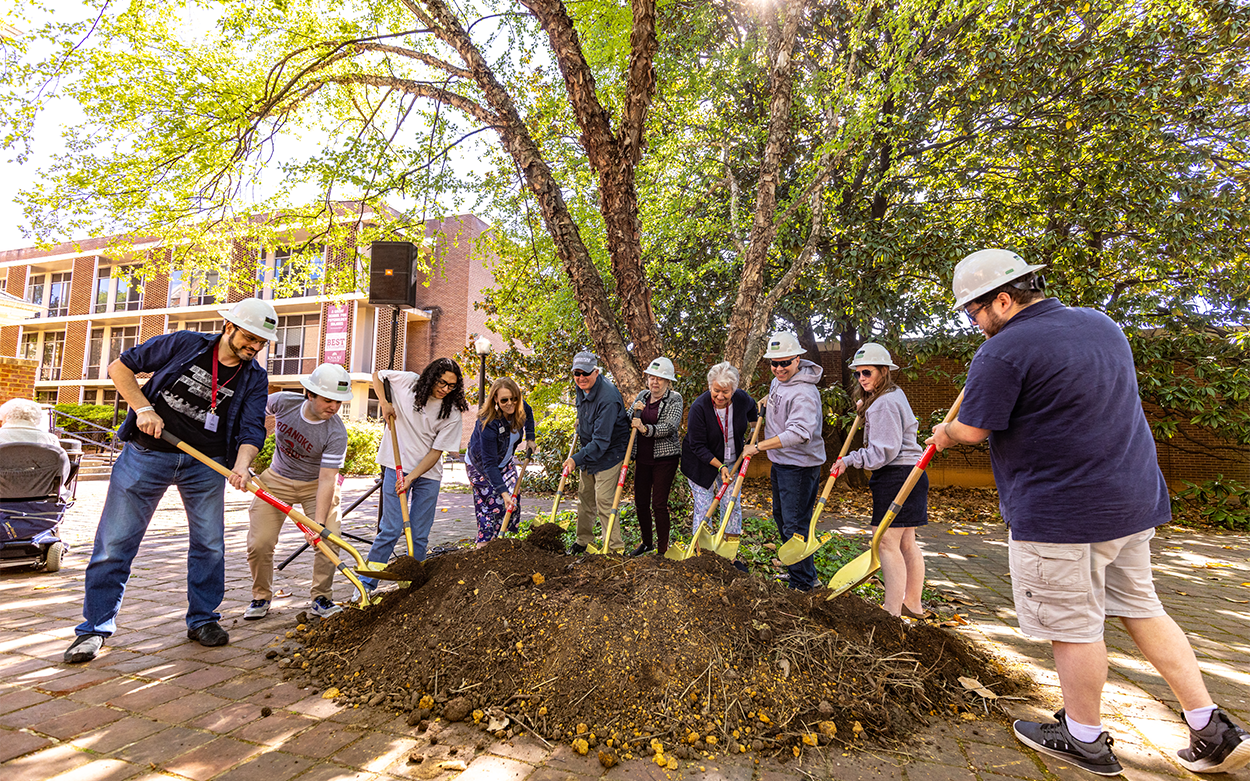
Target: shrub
(553, 432)
(1222, 502)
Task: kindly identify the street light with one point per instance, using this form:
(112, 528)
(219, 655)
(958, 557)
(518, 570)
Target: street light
(483, 347)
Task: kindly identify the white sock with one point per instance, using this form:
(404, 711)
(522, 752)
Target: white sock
(1082, 732)
(1200, 717)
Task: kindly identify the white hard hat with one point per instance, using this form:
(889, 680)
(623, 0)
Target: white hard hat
(662, 368)
(982, 271)
(254, 316)
(783, 345)
(872, 354)
(329, 380)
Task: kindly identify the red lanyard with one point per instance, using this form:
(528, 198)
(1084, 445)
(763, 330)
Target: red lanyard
(212, 402)
(724, 427)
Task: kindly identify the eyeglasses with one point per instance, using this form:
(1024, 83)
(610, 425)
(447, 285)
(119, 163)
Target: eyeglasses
(441, 383)
(972, 313)
(505, 400)
(786, 362)
(861, 372)
(252, 341)
(580, 373)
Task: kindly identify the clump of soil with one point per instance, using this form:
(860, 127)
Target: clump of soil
(620, 653)
(548, 537)
(407, 568)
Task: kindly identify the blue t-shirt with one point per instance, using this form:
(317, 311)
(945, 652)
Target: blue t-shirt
(1072, 452)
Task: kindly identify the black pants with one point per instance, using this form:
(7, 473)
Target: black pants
(653, 482)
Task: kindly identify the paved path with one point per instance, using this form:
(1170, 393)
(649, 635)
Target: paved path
(155, 705)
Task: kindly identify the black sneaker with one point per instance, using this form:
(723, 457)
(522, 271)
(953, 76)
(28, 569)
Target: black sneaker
(84, 649)
(641, 549)
(209, 635)
(1055, 740)
(577, 549)
(1219, 747)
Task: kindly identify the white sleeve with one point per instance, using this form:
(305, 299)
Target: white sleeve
(449, 431)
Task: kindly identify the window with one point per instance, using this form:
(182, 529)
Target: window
(4, 283)
(202, 287)
(294, 275)
(295, 351)
(34, 289)
(29, 348)
(58, 295)
(122, 339)
(95, 355)
(111, 397)
(203, 326)
(177, 290)
(53, 352)
(46, 396)
(120, 293)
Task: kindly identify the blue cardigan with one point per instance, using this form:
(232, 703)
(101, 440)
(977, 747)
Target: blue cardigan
(704, 440)
(488, 447)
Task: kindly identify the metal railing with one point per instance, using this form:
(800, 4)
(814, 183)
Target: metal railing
(101, 437)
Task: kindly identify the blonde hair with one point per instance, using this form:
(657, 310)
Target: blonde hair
(884, 386)
(491, 410)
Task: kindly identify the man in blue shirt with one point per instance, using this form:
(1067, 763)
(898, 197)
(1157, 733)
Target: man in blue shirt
(603, 430)
(1054, 389)
(210, 392)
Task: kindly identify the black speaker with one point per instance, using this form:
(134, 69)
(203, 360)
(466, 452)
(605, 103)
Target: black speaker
(393, 273)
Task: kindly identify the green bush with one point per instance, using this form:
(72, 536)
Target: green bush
(363, 437)
(554, 431)
(1222, 502)
(99, 414)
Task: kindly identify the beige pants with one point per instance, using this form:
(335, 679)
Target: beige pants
(595, 493)
(265, 522)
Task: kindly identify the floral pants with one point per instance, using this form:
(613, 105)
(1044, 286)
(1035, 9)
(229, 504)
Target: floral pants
(487, 505)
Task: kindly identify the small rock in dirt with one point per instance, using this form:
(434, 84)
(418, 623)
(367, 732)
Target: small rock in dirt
(422, 714)
(272, 653)
(416, 758)
(376, 700)
(302, 617)
(423, 725)
(606, 758)
(413, 720)
(824, 708)
(284, 663)
(433, 740)
(266, 712)
(480, 746)
(457, 709)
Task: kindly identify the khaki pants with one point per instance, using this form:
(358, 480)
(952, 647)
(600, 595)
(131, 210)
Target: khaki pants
(595, 493)
(265, 522)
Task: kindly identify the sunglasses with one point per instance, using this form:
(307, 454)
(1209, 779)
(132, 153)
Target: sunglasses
(861, 372)
(505, 399)
(786, 362)
(580, 373)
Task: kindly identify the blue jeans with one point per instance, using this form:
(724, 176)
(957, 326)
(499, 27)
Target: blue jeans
(139, 480)
(422, 501)
(794, 496)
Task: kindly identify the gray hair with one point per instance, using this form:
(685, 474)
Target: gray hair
(723, 373)
(21, 411)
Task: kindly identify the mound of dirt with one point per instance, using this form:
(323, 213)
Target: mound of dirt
(623, 653)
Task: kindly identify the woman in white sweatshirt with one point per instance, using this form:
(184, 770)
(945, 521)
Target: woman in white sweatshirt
(890, 452)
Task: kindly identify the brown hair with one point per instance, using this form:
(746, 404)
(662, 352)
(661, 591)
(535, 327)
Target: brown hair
(491, 410)
(884, 386)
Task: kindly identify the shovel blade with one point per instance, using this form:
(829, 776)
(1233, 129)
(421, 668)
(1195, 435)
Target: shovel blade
(676, 552)
(852, 574)
(728, 547)
(706, 540)
(793, 550)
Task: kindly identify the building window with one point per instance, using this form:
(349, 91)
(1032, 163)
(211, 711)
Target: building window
(4, 283)
(177, 290)
(292, 275)
(122, 339)
(58, 295)
(29, 348)
(202, 288)
(95, 355)
(295, 351)
(35, 288)
(46, 396)
(122, 292)
(110, 397)
(203, 326)
(52, 353)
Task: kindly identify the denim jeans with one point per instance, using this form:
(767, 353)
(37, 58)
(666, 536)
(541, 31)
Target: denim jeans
(794, 497)
(140, 478)
(422, 501)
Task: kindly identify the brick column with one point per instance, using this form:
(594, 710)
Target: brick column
(382, 350)
(156, 283)
(82, 284)
(16, 286)
(17, 377)
(241, 276)
(8, 340)
(149, 326)
(75, 350)
(68, 394)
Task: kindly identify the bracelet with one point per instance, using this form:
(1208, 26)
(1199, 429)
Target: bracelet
(148, 408)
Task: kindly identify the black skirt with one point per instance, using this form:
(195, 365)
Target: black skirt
(885, 485)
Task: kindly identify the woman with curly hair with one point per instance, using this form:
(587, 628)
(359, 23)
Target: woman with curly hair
(426, 410)
(502, 423)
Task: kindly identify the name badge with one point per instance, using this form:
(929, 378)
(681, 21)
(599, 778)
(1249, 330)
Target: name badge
(210, 421)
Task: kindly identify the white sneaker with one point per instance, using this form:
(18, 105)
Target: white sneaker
(324, 607)
(258, 609)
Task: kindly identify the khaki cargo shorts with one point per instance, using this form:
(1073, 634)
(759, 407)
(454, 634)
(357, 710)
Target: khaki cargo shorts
(1065, 591)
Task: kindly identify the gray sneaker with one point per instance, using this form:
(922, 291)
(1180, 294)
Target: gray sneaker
(1055, 740)
(257, 610)
(324, 607)
(84, 649)
(1219, 747)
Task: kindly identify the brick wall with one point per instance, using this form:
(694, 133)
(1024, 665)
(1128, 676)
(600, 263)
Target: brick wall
(156, 283)
(244, 260)
(8, 339)
(17, 378)
(82, 284)
(16, 285)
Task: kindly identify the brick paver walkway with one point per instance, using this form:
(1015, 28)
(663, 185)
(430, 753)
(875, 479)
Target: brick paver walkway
(155, 705)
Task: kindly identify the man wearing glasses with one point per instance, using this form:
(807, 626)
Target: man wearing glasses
(209, 391)
(1054, 389)
(603, 429)
(792, 430)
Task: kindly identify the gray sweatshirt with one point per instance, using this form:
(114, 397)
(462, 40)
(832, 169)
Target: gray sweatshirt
(794, 416)
(889, 435)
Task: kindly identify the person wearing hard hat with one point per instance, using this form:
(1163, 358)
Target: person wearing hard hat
(209, 391)
(603, 430)
(504, 421)
(793, 441)
(657, 453)
(1054, 390)
(890, 452)
(310, 446)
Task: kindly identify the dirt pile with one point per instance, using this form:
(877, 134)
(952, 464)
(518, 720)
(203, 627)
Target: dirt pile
(619, 654)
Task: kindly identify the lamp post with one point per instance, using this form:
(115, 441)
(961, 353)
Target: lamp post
(483, 347)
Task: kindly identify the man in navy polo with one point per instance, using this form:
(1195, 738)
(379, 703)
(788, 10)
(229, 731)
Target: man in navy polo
(209, 391)
(1054, 389)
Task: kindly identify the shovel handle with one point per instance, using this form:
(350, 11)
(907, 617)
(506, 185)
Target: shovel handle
(620, 489)
(564, 475)
(516, 491)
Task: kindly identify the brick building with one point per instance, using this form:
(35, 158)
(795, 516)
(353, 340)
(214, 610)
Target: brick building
(94, 303)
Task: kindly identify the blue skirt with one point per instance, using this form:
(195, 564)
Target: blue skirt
(885, 485)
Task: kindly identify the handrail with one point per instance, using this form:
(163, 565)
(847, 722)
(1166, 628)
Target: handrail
(109, 444)
(56, 411)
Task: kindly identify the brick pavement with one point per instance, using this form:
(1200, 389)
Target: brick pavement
(155, 705)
